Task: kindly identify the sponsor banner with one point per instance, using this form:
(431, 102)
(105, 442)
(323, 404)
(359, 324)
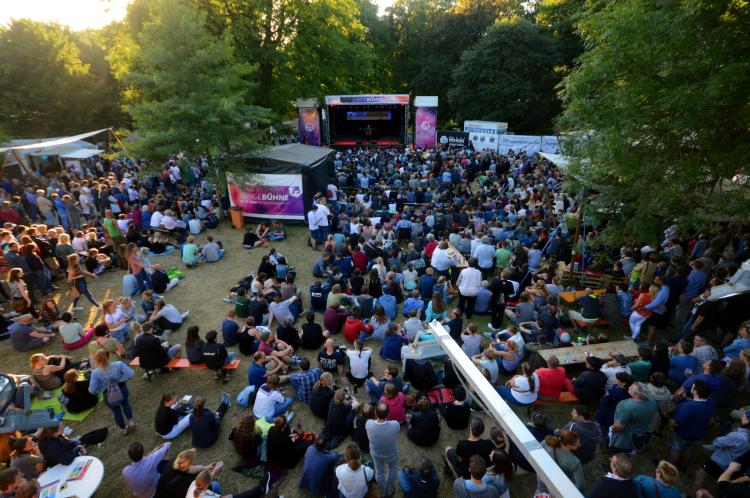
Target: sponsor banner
(366, 99)
(268, 196)
(517, 143)
(550, 145)
(424, 127)
(453, 138)
(309, 126)
(485, 134)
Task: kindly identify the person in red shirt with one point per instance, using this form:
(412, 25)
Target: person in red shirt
(395, 400)
(359, 260)
(334, 318)
(9, 215)
(551, 379)
(354, 326)
(431, 245)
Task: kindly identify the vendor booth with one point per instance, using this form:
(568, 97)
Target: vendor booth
(281, 181)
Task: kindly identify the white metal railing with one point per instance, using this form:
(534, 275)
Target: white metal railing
(546, 469)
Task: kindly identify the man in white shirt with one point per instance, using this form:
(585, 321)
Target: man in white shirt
(332, 192)
(312, 224)
(156, 219)
(443, 257)
(174, 170)
(615, 365)
(485, 255)
(269, 402)
(469, 282)
(323, 215)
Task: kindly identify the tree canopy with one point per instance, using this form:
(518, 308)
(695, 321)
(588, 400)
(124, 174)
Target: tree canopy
(652, 95)
(54, 82)
(509, 75)
(660, 106)
(185, 89)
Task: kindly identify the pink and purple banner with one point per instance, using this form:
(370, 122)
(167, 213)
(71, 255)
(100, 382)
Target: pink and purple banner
(309, 126)
(425, 127)
(269, 196)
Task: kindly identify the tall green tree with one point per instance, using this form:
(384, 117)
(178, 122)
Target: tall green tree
(53, 82)
(302, 48)
(186, 91)
(509, 75)
(661, 113)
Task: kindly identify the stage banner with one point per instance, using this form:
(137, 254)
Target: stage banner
(309, 126)
(268, 196)
(453, 138)
(528, 143)
(402, 99)
(424, 127)
(485, 134)
(550, 145)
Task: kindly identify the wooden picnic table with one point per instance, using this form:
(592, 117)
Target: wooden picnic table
(576, 354)
(569, 297)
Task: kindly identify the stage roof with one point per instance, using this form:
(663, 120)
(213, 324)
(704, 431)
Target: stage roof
(292, 158)
(399, 99)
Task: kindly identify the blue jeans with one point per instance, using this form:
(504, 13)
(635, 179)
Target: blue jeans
(403, 480)
(374, 391)
(507, 395)
(280, 408)
(144, 280)
(685, 332)
(122, 406)
(386, 472)
(275, 237)
(83, 289)
(122, 334)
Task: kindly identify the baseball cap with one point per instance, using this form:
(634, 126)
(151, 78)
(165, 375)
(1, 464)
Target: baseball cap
(620, 358)
(564, 337)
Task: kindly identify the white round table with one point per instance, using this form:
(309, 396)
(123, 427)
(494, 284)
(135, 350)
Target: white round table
(60, 481)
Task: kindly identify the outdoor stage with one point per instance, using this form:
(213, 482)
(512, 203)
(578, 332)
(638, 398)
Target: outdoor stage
(380, 120)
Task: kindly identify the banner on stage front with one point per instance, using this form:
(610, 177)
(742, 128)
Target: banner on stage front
(425, 126)
(268, 196)
(309, 126)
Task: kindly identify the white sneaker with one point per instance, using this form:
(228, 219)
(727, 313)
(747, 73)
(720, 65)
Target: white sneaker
(289, 416)
(185, 314)
(78, 308)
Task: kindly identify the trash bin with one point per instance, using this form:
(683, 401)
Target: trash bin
(238, 221)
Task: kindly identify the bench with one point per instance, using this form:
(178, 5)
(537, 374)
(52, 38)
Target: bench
(576, 354)
(185, 363)
(565, 397)
(593, 280)
(599, 323)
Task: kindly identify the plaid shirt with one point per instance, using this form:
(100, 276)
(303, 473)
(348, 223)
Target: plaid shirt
(303, 383)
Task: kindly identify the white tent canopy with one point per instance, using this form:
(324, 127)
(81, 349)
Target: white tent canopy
(54, 142)
(81, 153)
(556, 159)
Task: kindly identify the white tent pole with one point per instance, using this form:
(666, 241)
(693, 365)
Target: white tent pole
(546, 469)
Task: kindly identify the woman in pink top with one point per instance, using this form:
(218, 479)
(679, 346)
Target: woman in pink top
(395, 401)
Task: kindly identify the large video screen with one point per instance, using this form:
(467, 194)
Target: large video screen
(369, 115)
(367, 123)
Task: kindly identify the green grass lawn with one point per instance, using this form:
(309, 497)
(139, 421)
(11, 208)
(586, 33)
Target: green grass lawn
(201, 291)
